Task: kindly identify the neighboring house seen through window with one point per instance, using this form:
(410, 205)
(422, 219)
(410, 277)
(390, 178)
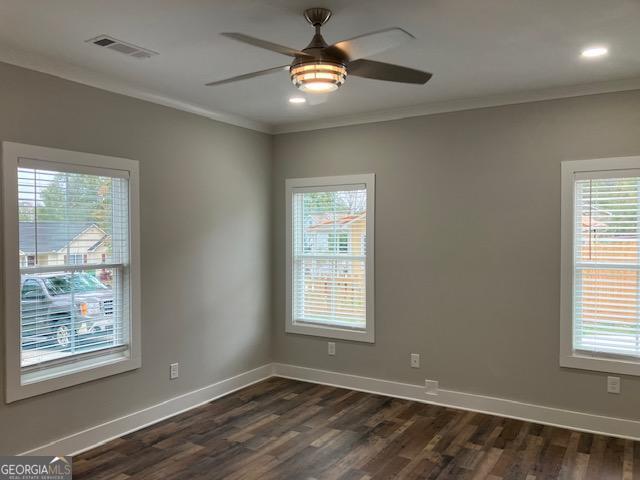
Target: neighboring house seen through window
(329, 264)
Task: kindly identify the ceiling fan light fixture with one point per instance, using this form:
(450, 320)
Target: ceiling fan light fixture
(318, 77)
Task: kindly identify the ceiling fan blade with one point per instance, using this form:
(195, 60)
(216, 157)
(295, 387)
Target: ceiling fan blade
(369, 44)
(256, 42)
(248, 75)
(387, 71)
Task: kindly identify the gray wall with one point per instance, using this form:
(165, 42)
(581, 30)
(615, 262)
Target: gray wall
(205, 232)
(467, 238)
(467, 245)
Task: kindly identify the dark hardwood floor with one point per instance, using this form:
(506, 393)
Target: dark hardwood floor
(285, 429)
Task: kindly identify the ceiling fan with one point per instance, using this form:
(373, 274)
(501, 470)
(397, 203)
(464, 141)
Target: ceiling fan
(322, 68)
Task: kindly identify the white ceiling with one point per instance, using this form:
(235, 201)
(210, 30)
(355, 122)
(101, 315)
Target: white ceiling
(477, 49)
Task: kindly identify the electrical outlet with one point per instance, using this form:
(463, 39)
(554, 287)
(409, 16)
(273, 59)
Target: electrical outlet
(332, 348)
(415, 360)
(174, 371)
(613, 384)
(431, 387)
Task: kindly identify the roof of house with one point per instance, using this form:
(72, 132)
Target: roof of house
(337, 222)
(52, 235)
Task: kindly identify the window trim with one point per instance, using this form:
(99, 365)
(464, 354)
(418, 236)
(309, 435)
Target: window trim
(571, 170)
(320, 184)
(85, 370)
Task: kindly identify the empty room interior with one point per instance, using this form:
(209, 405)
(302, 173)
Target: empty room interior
(306, 240)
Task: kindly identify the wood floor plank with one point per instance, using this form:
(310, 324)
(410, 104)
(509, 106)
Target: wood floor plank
(283, 429)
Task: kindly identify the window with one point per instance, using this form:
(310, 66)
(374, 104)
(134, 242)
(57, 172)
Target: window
(600, 317)
(330, 257)
(75, 259)
(71, 263)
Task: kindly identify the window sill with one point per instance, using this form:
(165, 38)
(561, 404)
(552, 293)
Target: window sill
(601, 364)
(55, 378)
(337, 333)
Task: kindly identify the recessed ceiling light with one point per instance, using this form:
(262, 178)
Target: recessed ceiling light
(593, 52)
(297, 100)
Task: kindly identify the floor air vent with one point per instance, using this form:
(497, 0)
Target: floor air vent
(125, 48)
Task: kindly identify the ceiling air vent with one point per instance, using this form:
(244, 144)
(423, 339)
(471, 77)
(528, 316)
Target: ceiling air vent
(126, 48)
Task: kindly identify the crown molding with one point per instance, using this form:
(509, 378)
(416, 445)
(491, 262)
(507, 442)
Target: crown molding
(462, 104)
(85, 76)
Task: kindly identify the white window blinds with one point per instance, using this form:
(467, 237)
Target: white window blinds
(74, 263)
(606, 303)
(329, 228)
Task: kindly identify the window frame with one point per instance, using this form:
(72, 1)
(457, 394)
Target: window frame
(571, 169)
(332, 183)
(91, 367)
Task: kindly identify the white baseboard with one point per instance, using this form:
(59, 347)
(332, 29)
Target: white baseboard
(99, 434)
(586, 422)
